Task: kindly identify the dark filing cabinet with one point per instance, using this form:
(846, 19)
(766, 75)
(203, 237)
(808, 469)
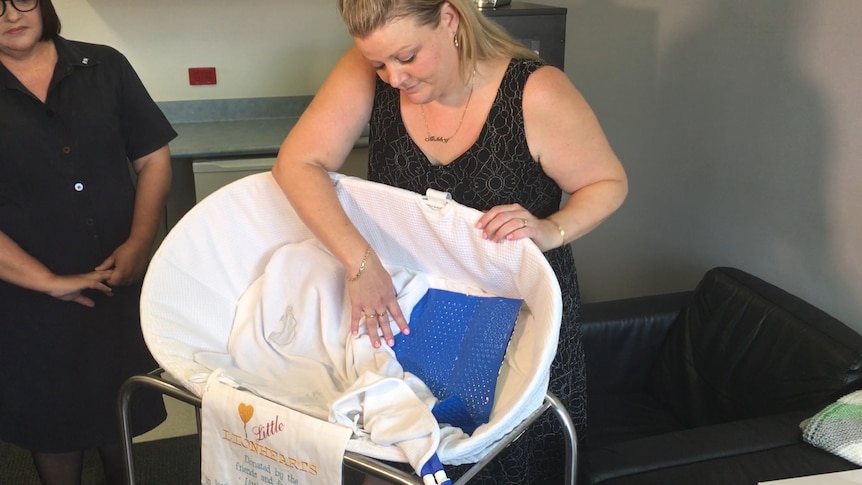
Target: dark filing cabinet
(542, 28)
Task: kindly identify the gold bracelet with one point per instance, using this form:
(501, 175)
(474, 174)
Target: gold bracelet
(559, 228)
(361, 265)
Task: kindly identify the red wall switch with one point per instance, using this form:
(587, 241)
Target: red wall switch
(202, 75)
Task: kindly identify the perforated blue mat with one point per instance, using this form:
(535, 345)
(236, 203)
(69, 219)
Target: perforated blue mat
(456, 346)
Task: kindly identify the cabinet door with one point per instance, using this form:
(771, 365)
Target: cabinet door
(539, 27)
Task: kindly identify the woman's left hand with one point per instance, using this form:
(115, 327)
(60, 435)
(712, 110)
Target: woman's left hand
(510, 222)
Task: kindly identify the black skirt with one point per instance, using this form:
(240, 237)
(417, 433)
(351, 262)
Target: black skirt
(62, 368)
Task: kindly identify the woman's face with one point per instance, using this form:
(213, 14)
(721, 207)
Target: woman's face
(19, 31)
(421, 61)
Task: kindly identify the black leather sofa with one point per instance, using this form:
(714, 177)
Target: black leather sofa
(710, 386)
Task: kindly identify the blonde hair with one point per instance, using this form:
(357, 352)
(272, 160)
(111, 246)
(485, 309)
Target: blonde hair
(478, 37)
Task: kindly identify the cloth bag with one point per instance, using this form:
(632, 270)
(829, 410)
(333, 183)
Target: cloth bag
(248, 439)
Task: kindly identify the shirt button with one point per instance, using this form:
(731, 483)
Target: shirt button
(79, 187)
(66, 150)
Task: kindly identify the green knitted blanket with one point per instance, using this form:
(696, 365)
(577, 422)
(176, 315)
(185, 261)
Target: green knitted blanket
(838, 428)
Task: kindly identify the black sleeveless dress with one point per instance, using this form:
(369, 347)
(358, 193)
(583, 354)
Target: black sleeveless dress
(497, 169)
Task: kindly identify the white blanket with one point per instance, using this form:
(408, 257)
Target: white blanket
(290, 343)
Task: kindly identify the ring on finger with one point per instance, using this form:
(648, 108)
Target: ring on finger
(525, 222)
(381, 314)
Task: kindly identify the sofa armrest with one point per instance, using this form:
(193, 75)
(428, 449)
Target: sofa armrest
(744, 347)
(693, 445)
(621, 339)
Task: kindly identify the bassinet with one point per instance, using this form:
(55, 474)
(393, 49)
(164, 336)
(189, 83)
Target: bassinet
(221, 246)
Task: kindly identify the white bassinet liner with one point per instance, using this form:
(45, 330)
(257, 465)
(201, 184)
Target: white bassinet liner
(211, 257)
(290, 344)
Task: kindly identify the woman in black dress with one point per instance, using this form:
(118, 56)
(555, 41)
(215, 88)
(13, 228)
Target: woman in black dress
(75, 235)
(454, 104)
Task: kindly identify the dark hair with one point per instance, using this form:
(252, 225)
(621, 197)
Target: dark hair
(50, 20)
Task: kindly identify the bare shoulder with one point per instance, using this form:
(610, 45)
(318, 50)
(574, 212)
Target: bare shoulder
(555, 112)
(349, 88)
(563, 132)
(352, 68)
(354, 60)
(548, 88)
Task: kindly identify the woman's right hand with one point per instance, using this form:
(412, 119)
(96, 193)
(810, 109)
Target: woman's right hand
(373, 301)
(71, 287)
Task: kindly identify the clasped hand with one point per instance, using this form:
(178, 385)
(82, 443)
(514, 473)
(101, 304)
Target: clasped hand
(72, 287)
(123, 267)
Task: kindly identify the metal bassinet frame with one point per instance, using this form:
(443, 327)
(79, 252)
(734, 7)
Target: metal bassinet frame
(156, 380)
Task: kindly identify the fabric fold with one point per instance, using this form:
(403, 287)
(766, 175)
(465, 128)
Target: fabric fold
(393, 412)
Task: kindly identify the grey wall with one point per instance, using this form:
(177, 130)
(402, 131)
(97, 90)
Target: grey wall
(738, 124)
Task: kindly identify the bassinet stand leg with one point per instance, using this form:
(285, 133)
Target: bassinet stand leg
(570, 435)
(126, 390)
(379, 469)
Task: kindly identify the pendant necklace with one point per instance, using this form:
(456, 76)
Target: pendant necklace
(433, 138)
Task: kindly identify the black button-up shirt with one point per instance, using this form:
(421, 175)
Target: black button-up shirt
(66, 194)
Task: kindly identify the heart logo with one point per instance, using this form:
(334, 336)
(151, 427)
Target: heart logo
(245, 412)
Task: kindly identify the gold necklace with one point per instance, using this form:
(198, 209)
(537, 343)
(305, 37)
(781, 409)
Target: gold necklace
(433, 138)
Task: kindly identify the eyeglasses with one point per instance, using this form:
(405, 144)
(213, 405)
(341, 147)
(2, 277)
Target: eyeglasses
(19, 5)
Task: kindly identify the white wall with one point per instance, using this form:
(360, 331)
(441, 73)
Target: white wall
(259, 48)
(739, 121)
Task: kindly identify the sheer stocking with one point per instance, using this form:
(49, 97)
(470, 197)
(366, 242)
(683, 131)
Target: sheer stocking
(113, 464)
(59, 468)
(67, 468)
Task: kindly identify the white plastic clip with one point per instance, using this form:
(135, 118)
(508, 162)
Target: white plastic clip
(441, 478)
(437, 199)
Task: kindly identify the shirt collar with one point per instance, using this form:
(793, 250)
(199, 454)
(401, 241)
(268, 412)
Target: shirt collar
(69, 56)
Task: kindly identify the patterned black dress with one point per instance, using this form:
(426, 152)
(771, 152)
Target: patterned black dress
(497, 169)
